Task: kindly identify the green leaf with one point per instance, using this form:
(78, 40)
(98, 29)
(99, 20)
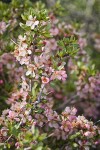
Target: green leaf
(34, 91)
(17, 126)
(39, 148)
(75, 145)
(42, 137)
(33, 129)
(74, 136)
(24, 17)
(15, 132)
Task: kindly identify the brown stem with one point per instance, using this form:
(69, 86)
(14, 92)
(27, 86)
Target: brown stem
(40, 94)
(32, 56)
(8, 138)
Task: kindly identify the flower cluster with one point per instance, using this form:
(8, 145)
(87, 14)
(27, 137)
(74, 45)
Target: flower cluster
(90, 89)
(77, 130)
(22, 51)
(8, 63)
(68, 126)
(44, 63)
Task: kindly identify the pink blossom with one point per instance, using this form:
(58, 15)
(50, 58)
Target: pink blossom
(51, 44)
(1, 82)
(45, 80)
(24, 60)
(24, 84)
(89, 134)
(82, 42)
(17, 145)
(54, 31)
(12, 114)
(60, 75)
(2, 27)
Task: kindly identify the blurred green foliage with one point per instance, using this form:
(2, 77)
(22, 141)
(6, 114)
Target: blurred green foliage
(85, 13)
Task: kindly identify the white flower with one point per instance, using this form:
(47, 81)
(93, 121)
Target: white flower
(22, 53)
(21, 38)
(24, 45)
(31, 70)
(24, 60)
(32, 22)
(29, 52)
(29, 23)
(28, 72)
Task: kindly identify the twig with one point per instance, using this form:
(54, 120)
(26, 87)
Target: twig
(8, 138)
(33, 51)
(39, 97)
(14, 42)
(49, 135)
(28, 148)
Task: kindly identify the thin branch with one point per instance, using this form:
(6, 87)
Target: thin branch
(8, 138)
(28, 148)
(40, 94)
(32, 56)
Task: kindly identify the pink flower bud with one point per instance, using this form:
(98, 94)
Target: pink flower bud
(1, 81)
(45, 80)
